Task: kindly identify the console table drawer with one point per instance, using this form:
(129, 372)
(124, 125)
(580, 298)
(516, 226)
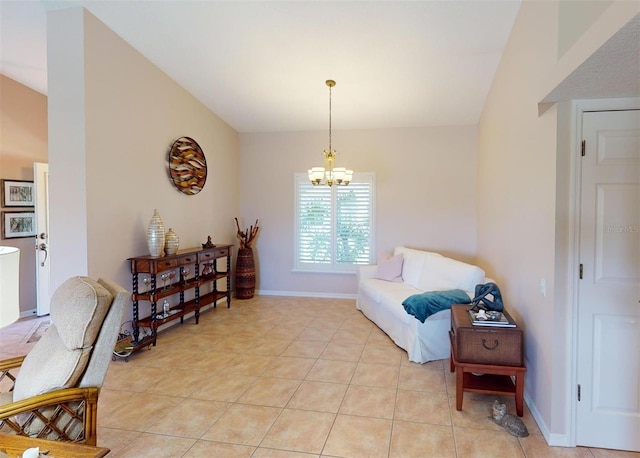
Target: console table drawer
(150, 265)
(189, 259)
(212, 254)
(167, 264)
(221, 252)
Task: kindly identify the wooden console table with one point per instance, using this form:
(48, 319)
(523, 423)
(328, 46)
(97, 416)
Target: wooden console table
(14, 446)
(186, 270)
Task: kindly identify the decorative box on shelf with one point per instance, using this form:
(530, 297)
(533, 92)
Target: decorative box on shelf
(164, 277)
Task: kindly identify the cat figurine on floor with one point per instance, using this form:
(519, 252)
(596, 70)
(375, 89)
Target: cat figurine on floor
(511, 423)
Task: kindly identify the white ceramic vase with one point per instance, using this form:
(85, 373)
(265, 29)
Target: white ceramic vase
(155, 235)
(171, 242)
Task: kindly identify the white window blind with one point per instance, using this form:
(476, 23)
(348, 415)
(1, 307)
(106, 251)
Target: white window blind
(334, 225)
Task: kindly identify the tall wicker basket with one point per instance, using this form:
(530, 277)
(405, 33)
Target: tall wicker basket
(245, 274)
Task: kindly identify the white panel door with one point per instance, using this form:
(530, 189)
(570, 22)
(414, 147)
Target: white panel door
(43, 262)
(608, 412)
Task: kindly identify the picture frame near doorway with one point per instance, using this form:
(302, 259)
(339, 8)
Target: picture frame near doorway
(18, 224)
(18, 193)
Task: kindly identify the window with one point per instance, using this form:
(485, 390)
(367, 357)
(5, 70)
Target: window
(334, 224)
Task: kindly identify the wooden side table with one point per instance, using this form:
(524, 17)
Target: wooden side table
(495, 380)
(495, 354)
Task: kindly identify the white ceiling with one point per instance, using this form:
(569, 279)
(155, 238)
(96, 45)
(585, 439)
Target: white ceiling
(262, 65)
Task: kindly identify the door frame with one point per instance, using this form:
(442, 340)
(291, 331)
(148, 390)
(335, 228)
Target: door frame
(579, 107)
(43, 276)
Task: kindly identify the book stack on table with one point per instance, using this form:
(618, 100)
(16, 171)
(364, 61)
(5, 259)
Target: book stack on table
(492, 319)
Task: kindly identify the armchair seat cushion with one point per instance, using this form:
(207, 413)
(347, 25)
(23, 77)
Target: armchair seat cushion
(78, 308)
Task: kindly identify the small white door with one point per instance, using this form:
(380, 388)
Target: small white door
(608, 410)
(41, 185)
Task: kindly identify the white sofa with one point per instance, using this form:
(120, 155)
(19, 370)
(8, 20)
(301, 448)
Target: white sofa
(381, 293)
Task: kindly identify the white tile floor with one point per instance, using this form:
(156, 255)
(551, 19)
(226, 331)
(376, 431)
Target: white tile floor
(292, 377)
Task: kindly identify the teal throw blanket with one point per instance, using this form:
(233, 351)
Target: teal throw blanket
(423, 305)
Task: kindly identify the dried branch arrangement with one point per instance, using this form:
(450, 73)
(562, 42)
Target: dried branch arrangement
(246, 238)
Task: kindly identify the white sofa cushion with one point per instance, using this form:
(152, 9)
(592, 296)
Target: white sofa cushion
(440, 273)
(414, 261)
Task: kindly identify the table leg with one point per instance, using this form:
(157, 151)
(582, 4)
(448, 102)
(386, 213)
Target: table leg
(459, 387)
(519, 393)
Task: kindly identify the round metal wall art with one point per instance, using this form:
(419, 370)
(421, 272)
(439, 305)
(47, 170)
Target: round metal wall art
(187, 166)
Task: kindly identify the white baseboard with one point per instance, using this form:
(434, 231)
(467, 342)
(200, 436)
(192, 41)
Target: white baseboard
(559, 440)
(553, 439)
(305, 294)
(29, 313)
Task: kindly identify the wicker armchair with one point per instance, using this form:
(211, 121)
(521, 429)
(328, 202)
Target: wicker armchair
(52, 393)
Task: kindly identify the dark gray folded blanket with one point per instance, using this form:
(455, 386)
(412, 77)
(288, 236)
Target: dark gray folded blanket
(423, 305)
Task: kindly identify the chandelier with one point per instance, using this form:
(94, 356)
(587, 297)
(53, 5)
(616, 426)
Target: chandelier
(329, 174)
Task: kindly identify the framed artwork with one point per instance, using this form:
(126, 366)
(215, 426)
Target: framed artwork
(18, 224)
(17, 193)
(187, 166)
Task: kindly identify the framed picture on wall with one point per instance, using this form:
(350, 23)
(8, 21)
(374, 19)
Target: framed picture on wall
(18, 224)
(17, 193)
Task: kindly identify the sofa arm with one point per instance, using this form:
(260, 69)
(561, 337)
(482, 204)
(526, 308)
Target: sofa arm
(365, 272)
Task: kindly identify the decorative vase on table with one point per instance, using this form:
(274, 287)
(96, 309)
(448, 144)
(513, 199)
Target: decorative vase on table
(171, 242)
(155, 236)
(245, 274)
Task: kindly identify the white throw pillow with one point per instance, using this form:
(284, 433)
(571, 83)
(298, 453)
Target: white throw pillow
(390, 269)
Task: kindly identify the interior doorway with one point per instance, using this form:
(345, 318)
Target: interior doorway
(608, 291)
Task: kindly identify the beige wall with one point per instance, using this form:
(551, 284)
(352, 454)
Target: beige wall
(575, 18)
(23, 141)
(426, 186)
(516, 189)
(113, 117)
(524, 197)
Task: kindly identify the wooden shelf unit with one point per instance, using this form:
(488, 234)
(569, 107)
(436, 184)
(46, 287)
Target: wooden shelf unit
(195, 259)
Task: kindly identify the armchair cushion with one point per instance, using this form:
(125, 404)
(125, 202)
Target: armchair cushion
(78, 308)
(103, 348)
